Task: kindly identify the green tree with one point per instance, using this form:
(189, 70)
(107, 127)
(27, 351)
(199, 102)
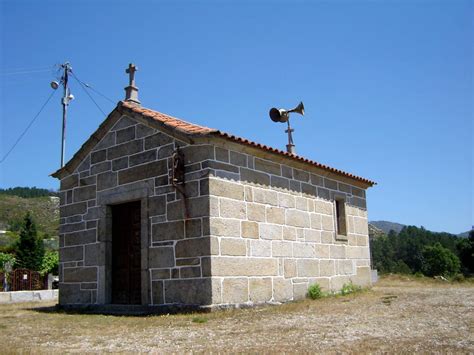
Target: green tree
(466, 253)
(403, 252)
(5, 258)
(438, 260)
(30, 249)
(411, 241)
(50, 263)
(383, 253)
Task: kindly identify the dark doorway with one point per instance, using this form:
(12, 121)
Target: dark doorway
(126, 257)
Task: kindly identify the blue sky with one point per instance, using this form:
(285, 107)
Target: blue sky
(387, 85)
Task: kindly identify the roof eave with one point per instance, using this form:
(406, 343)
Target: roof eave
(366, 182)
(95, 138)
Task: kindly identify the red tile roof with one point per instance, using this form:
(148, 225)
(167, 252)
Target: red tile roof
(169, 121)
(193, 129)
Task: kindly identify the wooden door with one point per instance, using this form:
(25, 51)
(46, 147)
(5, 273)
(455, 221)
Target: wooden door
(126, 256)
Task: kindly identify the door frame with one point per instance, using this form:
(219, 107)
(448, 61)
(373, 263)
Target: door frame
(123, 238)
(105, 201)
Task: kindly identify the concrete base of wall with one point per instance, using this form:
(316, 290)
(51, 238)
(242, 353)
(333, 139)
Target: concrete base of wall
(374, 276)
(28, 296)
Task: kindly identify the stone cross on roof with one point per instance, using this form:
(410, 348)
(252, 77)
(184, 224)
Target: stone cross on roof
(131, 91)
(132, 68)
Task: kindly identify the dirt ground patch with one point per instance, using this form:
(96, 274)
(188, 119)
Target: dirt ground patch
(399, 315)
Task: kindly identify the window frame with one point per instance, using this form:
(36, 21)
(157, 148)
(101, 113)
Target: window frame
(340, 218)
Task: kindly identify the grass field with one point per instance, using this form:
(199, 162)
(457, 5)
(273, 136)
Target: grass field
(398, 315)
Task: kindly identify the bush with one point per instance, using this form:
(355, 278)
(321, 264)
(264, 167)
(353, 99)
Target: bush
(50, 263)
(459, 278)
(314, 292)
(9, 249)
(350, 288)
(5, 258)
(400, 267)
(438, 260)
(200, 319)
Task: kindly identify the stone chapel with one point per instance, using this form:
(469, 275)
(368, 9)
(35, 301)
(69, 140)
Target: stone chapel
(155, 210)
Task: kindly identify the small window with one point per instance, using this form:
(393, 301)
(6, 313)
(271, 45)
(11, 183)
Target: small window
(341, 217)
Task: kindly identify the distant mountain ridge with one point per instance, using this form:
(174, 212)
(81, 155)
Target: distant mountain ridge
(375, 232)
(464, 235)
(387, 226)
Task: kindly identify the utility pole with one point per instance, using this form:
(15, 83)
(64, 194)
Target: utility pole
(65, 101)
(67, 97)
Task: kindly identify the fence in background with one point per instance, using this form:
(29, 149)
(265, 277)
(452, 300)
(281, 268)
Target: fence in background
(22, 280)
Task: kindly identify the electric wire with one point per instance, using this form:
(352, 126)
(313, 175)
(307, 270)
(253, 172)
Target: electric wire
(25, 71)
(93, 89)
(98, 92)
(81, 83)
(87, 92)
(28, 127)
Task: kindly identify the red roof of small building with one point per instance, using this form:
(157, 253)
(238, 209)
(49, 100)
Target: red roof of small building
(194, 129)
(171, 122)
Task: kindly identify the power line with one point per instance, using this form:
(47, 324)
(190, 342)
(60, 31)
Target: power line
(25, 71)
(28, 127)
(90, 97)
(98, 92)
(93, 89)
(83, 86)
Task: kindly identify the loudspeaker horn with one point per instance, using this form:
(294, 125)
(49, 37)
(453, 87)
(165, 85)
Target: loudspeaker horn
(282, 115)
(278, 115)
(298, 109)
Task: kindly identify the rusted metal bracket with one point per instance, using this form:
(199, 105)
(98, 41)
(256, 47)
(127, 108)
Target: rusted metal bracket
(177, 177)
(177, 173)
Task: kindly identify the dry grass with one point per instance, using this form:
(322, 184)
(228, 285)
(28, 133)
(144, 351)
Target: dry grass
(398, 315)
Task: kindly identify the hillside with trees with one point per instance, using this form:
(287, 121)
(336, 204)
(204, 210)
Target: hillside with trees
(387, 226)
(41, 204)
(28, 192)
(45, 210)
(417, 250)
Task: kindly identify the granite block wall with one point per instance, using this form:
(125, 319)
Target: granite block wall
(132, 162)
(275, 231)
